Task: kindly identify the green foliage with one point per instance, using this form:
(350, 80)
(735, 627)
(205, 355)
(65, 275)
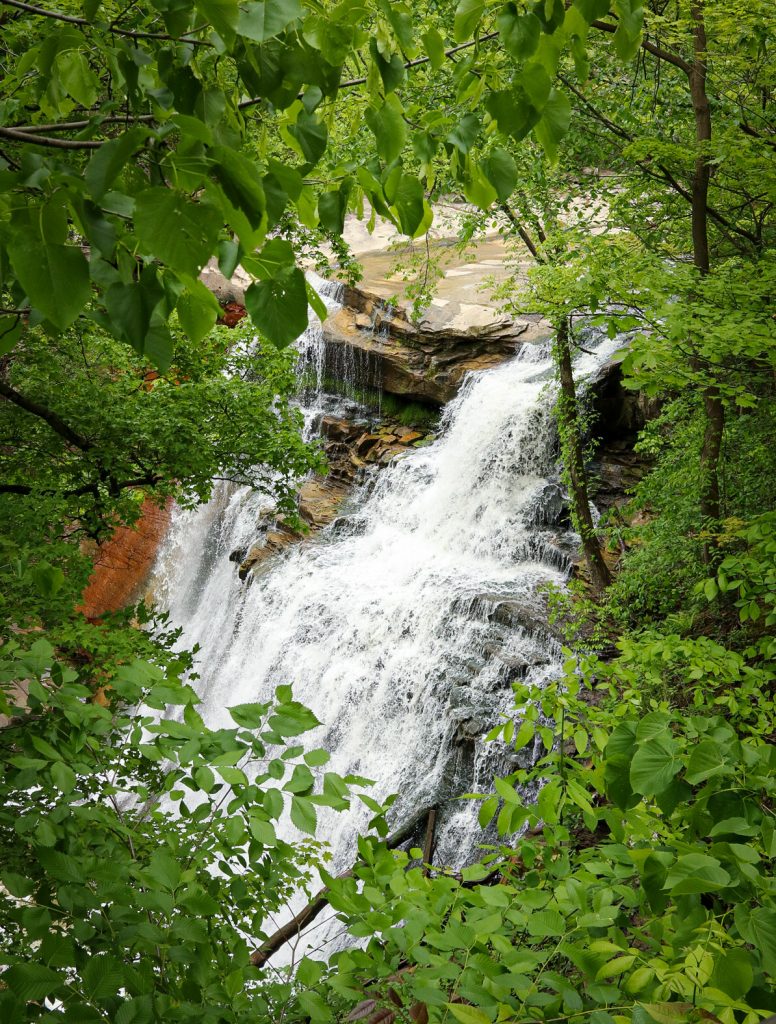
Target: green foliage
(89, 432)
(641, 888)
(139, 858)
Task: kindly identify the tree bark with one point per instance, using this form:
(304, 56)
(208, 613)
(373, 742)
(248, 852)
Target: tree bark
(320, 901)
(714, 409)
(573, 457)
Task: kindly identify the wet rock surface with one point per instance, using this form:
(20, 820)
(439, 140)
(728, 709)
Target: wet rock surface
(424, 361)
(351, 448)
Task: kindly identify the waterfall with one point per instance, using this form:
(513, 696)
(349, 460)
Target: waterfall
(403, 623)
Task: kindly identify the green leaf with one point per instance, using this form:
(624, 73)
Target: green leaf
(311, 135)
(761, 932)
(696, 873)
(554, 123)
(465, 133)
(501, 171)
(410, 205)
(630, 19)
(263, 20)
(733, 973)
(240, 180)
(221, 14)
(488, 809)
(175, 230)
(110, 158)
(332, 207)
(313, 1005)
(435, 48)
(197, 311)
(49, 579)
(467, 17)
(136, 311)
(512, 111)
(388, 127)
(63, 776)
(278, 306)
(654, 765)
(519, 32)
(316, 758)
(303, 815)
(31, 982)
(55, 278)
(392, 72)
(706, 760)
(103, 976)
(77, 77)
(262, 830)
(301, 780)
(545, 923)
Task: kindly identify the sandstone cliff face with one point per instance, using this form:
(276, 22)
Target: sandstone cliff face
(123, 562)
(425, 361)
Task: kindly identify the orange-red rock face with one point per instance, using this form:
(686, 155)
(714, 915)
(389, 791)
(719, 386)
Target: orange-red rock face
(123, 563)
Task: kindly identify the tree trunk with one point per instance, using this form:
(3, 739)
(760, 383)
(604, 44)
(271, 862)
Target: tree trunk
(573, 457)
(712, 403)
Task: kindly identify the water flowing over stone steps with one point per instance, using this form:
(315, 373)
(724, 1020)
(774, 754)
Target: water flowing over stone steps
(402, 622)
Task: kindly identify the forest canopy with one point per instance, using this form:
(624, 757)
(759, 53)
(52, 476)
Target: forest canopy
(627, 150)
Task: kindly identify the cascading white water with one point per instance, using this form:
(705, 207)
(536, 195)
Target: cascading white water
(403, 622)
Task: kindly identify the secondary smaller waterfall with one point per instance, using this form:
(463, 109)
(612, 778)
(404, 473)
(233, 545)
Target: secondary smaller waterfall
(401, 624)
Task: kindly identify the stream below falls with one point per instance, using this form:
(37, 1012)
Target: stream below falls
(403, 623)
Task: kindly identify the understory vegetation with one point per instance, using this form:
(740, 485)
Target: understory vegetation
(625, 153)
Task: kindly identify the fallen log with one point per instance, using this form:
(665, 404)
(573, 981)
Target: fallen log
(319, 902)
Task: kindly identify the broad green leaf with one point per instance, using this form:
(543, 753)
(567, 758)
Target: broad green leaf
(410, 205)
(465, 133)
(654, 765)
(108, 161)
(468, 1014)
(388, 127)
(630, 19)
(311, 136)
(222, 15)
(164, 869)
(77, 77)
(546, 922)
(262, 19)
(519, 32)
(696, 873)
(54, 277)
(591, 10)
(392, 72)
(197, 311)
(467, 17)
(313, 1006)
(512, 111)
(761, 932)
(332, 207)
(303, 814)
(706, 760)
(240, 180)
(435, 48)
(278, 306)
(63, 776)
(175, 230)
(488, 809)
(554, 123)
(132, 308)
(733, 973)
(31, 981)
(262, 830)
